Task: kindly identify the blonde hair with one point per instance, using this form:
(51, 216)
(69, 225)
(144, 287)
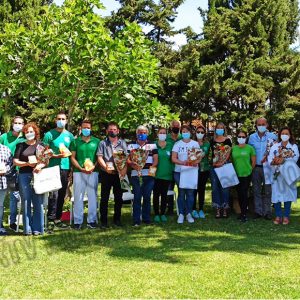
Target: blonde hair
(142, 127)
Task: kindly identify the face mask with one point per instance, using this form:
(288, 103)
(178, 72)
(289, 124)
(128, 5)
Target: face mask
(142, 137)
(86, 132)
(162, 137)
(199, 136)
(241, 140)
(186, 135)
(220, 131)
(112, 134)
(175, 130)
(30, 136)
(284, 137)
(61, 123)
(261, 129)
(17, 127)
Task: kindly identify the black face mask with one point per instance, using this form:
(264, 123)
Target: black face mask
(112, 134)
(175, 130)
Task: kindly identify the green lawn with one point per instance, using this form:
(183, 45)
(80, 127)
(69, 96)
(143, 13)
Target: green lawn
(209, 259)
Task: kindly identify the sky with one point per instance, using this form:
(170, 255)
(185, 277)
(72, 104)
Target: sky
(188, 15)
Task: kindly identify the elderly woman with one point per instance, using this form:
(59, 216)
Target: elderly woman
(143, 159)
(25, 158)
(283, 151)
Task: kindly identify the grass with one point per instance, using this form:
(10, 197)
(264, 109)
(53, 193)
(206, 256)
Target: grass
(208, 259)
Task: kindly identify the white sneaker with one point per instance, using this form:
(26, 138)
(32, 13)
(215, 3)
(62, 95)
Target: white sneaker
(189, 218)
(180, 219)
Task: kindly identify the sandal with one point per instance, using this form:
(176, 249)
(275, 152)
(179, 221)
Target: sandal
(285, 221)
(218, 213)
(277, 221)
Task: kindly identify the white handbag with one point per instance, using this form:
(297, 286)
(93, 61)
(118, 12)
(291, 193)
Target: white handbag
(227, 175)
(290, 171)
(48, 180)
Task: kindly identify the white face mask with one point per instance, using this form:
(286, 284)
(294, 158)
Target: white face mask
(17, 127)
(162, 137)
(285, 137)
(30, 136)
(200, 136)
(241, 140)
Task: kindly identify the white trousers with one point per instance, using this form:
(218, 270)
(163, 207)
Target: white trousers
(85, 183)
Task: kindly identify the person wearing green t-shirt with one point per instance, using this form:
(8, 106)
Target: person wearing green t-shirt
(11, 139)
(203, 175)
(163, 177)
(57, 139)
(244, 160)
(173, 137)
(85, 176)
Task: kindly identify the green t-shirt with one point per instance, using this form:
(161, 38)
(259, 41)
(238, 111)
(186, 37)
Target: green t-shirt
(53, 139)
(11, 141)
(85, 150)
(241, 158)
(204, 164)
(165, 166)
(169, 139)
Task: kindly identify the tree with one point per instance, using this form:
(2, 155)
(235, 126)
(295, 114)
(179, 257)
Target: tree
(70, 61)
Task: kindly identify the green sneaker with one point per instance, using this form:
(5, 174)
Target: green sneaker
(60, 225)
(157, 219)
(163, 218)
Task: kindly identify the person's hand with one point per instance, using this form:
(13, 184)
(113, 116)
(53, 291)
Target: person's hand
(60, 155)
(264, 159)
(135, 166)
(37, 169)
(31, 165)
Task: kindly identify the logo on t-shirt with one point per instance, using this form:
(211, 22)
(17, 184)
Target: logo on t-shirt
(67, 139)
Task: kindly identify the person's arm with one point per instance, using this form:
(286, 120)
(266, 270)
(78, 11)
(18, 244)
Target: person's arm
(17, 162)
(176, 161)
(75, 163)
(253, 161)
(47, 141)
(155, 160)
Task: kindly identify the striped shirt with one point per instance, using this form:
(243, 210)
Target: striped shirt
(148, 146)
(5, 163)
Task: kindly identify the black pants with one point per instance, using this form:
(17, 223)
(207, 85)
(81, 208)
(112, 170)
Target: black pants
(109, 181)
(242, 189)
(202, 180)
(160, 190)
(170, 199)
(56, 199)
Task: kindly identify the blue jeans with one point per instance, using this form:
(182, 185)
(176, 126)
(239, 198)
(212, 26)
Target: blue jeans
(31, 221)
(220, 196)
(142, 190)
(13, 206)
(185, 199)
(287, 209)
(2, 197)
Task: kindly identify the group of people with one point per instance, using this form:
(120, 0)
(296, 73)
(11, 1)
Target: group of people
(152, 167)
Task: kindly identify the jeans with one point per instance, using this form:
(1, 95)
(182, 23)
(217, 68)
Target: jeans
(56, 199)
(287, 209)
(32, 221)
(202, 180)
(261, 192)
(2, 197)
(220, 196)
(142, 190)
(109, 181)
(85, 183)
(14, 197)
(242, 189)
(160, 190)
(185, 198)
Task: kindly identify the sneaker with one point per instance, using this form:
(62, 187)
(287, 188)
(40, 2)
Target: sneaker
(50, 227)
(277, 221)
(180, 219)
(13, 227)
(195, 214)
(136, 225)
(157, 219)
(2, 231)
(243, 219)
(286, 221)
(60, 225)
(91, 225)
(201, 214)
(36, 233)
(189, 218)
(163, 218)
(77, 226)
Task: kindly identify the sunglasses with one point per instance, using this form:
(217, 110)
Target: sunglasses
(200, 132)
(241, 137)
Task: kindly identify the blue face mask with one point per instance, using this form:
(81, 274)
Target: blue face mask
(142, 137)
(61, 123)
(261, 129)
(220, 131)
(186, 135)
(86, 132)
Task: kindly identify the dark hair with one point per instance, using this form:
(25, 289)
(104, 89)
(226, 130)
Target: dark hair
(201, 126)
(242, 131)
(162, 128)
(292, 139)
(186, 127)
(112, 124)
(35, 128)
(86, 121)
(62, 112)
(18, 117)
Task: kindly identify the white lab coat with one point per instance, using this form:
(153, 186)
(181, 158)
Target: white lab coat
(281, 191)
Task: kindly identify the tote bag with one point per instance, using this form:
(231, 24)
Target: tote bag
(290, 172)
(227, 175)
(48, 180)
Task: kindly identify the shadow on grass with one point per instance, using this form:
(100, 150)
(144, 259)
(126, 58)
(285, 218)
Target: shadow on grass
(170, 242)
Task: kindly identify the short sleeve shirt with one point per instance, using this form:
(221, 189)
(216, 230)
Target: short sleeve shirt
(11, 141)
(165, 166)
(241, 158)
